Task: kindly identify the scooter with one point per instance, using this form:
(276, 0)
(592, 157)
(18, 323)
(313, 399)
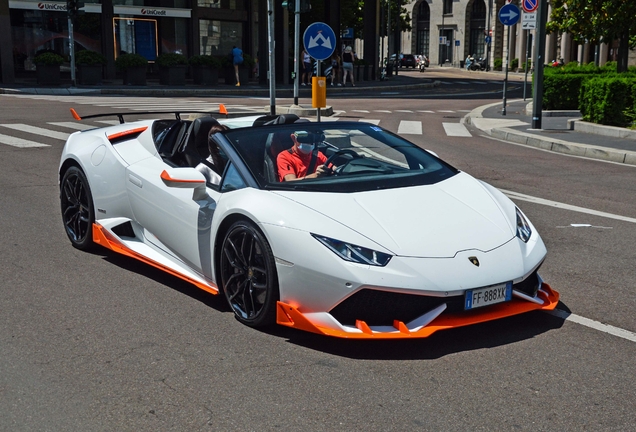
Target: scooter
(479, 64)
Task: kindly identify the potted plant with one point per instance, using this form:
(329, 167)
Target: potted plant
(205, 69)
(133, 67)
(245, 70)
(89, 67)
(48, 68)
(172, 69)
(358, 69)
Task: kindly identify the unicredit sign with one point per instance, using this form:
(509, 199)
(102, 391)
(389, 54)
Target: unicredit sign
(52, 6)
(154, 12)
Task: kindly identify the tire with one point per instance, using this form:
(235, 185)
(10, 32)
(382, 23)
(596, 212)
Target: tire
(248, 275)
(78, 213)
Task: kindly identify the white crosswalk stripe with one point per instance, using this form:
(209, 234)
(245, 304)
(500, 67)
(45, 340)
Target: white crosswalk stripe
(71, 125)
(372, 121)
(404, 111)
(410, 127)
(37, 131)
(19, 142)
(456, 130)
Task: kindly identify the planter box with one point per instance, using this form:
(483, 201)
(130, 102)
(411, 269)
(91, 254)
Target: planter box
(172, 75)
(48, 74)
(135, 75)
(205, 75)
(89, 74)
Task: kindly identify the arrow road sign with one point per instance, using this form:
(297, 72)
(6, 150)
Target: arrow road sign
(509, 14)
(530, 5)
(319, 40)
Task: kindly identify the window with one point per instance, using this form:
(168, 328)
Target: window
(219, 37)
(448, 7)
(232, 180)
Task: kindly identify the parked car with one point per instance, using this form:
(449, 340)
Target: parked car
(408, 60)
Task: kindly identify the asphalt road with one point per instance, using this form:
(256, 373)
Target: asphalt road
(98, 342)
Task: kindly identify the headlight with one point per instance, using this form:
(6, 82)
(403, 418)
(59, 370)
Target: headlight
(523, 227)
(353, 253)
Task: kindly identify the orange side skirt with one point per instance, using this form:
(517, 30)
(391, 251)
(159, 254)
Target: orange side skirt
(290, 316)
(104, 238)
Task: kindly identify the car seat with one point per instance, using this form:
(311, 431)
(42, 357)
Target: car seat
(195, 149)
(276, 143)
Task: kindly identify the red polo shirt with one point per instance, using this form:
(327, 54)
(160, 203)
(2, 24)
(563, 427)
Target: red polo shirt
(293, 162)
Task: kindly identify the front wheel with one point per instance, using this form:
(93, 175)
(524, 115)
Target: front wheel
(78, 213)
(248, 275)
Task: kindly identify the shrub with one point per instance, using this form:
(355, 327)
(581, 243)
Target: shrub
(48, 59)
(561, 91)
(514, 63)
(248, 61)
(523, 65)
(608, 100)
(87, 57)
(171, 59)
(497, 64)
(125, 61)
(205, 60)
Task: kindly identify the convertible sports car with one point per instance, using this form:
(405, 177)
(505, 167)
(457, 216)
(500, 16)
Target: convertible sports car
(392, 243)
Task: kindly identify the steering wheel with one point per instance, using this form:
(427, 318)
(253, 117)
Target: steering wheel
(339, 154)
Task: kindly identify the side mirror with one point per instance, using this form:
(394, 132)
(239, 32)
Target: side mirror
(185, 178)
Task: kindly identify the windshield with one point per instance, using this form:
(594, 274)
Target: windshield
(358, 156)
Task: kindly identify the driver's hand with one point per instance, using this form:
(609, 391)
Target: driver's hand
(322, 170)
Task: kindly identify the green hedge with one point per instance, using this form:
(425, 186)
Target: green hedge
(561, 91)
(609, 100)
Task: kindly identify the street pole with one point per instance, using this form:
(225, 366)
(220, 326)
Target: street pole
(442, 56)
(528, 55)
(488, 37)
(539, 52)
(296, 48)
(271, 47)
(71, 42)
(505, 83)
(318, 73)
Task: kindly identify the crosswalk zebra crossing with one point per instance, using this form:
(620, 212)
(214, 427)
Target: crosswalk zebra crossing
(22, 135)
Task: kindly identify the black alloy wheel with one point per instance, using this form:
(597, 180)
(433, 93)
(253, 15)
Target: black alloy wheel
(78, 214)
(248, 275)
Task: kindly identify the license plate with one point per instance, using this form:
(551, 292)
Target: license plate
(489, 295)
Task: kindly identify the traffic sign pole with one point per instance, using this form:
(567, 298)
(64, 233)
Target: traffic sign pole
(296, 49)
(509, 16)
(539, 50)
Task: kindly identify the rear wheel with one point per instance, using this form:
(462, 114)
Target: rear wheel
(248, 275)
(78, 213)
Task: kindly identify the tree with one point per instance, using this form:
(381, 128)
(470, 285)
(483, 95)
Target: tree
(597, 21)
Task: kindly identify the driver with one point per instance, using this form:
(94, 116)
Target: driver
(293, 163)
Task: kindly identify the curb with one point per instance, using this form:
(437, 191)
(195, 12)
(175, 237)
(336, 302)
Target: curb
(552, 144)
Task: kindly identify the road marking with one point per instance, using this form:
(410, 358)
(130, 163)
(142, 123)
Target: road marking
(19, 142)
(108, 122)
(404, 111)
(445, 82)
(37, 131)
(71, 125)
(456, 130)
(382, 111)
(426, 111)
(410, 127)
(361, 111)
(446, 111)
(462, 82)
(605, 328)
(536, 200)
(372, 121)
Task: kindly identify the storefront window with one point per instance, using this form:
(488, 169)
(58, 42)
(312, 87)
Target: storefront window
(219, 37)
(150, 37)
(36, 31)
(180, 4)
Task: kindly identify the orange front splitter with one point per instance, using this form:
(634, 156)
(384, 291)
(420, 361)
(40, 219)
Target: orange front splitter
(290, 316)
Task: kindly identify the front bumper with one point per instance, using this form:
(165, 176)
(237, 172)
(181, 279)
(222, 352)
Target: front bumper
(421, 327)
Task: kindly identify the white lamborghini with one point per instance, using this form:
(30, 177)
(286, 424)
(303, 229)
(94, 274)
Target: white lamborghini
(394, 243)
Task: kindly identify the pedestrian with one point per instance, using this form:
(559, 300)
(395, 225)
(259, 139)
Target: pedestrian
(335, 68)
(347, 66)
(237, 59)
(307, 73)
(467, 62)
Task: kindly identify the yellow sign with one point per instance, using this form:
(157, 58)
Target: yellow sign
(319, 92)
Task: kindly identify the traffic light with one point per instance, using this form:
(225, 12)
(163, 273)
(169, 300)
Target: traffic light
(73, 8)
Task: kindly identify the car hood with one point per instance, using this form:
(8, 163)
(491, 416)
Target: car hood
(434, 221)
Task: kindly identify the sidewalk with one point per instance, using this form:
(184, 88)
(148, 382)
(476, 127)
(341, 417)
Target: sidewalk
(561, 132)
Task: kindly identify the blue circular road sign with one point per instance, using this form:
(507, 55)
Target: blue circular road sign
(319, 40)
(509, 14)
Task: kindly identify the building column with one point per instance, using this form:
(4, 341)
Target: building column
(586, 53)
(522, 40)
(566, 47)
(108, 39)
(603, 54)
(7, 71)
(371, 34)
